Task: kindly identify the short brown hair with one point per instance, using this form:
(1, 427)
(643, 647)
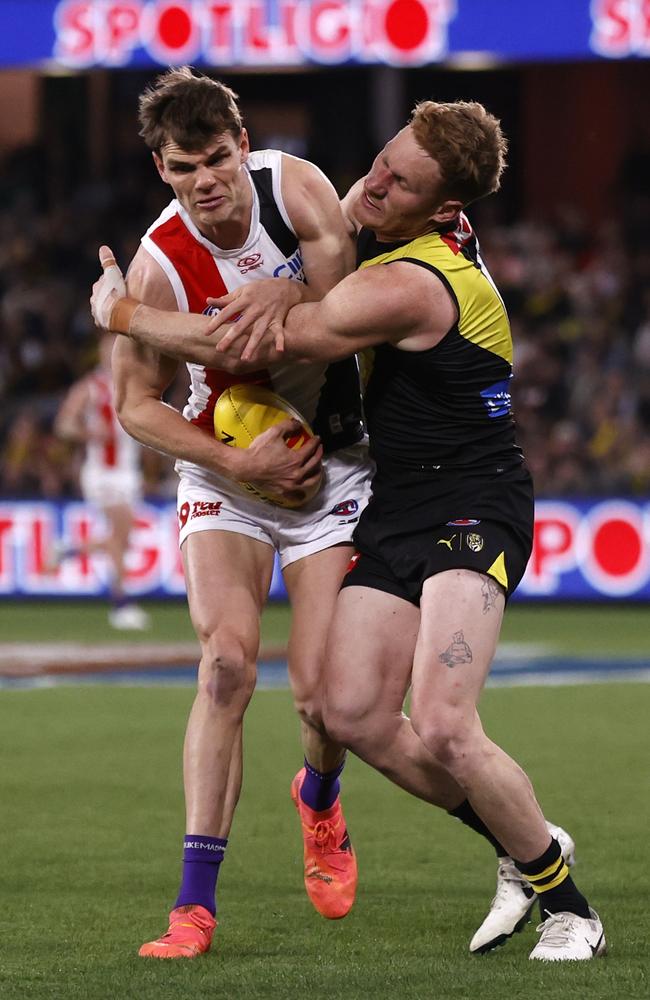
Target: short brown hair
(187, 108)
(467, 142)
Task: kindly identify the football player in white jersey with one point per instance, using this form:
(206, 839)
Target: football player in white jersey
(110, 478)
(237, 217)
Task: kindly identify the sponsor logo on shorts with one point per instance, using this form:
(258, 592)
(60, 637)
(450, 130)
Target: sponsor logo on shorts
(250, 262)
(183, 514)
(474, 542)
(462, 522)
(347, 508)
(205, 508)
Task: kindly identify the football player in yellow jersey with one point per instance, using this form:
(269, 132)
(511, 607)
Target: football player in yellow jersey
(447, 534)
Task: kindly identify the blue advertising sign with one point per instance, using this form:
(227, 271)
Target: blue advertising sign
(583, 550)
(237, 33)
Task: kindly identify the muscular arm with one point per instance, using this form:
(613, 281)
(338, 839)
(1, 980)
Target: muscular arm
(399, 303)
(141, 375)
(150, 317)
(326, 243)
(327, 247)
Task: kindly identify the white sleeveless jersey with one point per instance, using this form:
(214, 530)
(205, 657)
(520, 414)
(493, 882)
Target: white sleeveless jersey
(197, 268)
(116, 451)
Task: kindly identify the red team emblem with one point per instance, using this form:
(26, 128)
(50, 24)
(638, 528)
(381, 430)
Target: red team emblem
(249, 263)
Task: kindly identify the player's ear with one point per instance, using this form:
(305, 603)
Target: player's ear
(244, 146)
(447, 211)
(160, 166)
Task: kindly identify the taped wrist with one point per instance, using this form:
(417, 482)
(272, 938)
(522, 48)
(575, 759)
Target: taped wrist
(122, 315)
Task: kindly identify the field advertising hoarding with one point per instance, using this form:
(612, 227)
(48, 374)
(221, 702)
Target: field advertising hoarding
(583, 550)
(255, 33)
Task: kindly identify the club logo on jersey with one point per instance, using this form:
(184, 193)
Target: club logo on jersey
(347, 508)
(463, 522)
(205, 508)
(249, 263)
(474, 542)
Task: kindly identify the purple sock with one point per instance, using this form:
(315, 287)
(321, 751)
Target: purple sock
(319, 791)
(201, 859)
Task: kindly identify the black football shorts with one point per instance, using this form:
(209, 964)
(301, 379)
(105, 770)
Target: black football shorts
(416, 528)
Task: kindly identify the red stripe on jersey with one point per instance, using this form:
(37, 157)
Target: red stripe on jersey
(198, 271)
(109, 447)
(196, 266)
(450, 240)
(218, 381)
(106, 415)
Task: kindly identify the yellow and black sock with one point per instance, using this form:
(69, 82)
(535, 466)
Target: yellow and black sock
(555, 889)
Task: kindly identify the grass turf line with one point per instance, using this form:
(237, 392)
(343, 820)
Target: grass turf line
(92, 820)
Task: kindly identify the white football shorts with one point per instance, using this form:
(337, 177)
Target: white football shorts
(328, 519)
(110, 487)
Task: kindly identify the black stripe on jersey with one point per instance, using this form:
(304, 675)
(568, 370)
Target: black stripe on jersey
(368, 246)
(270, 216)
(434, 270)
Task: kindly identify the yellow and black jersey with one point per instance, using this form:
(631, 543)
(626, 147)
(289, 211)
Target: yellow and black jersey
(447, 407)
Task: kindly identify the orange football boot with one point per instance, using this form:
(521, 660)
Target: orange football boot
(330, 862)
(190, 934)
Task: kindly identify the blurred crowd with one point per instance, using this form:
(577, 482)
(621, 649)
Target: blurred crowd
(578, 297)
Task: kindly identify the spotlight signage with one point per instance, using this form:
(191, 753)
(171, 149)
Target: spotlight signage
(251, 32)
(224, 34)
(583, 550)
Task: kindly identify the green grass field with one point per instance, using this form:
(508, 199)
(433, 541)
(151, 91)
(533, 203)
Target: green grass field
(92, 824)
(605, 630)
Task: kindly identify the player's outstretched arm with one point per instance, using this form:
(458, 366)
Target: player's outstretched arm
(184, 336)
(398, 303)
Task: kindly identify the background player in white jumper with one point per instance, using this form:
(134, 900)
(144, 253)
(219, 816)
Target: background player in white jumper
(237, 217)
(110, 477)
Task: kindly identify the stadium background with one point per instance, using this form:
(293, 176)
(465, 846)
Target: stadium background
(567, 243)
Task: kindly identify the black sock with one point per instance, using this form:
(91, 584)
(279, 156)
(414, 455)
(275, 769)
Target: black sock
(556, 890)
(465, 813)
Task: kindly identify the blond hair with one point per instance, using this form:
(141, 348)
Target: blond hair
(187, 108)
(468, 144)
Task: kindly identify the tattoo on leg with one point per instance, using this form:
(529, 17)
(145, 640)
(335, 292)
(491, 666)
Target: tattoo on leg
(457, 652)
(490, 590)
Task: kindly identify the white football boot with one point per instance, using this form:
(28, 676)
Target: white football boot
(129, 618)
(514, 899)
(566, 937)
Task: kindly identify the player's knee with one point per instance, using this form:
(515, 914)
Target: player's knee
(309, 706)
(226, 672)
(446, 735)
(346, 723)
